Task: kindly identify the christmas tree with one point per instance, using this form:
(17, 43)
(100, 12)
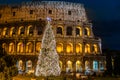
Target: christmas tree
(48, 59)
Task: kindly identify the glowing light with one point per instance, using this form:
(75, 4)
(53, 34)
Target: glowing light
(69, 63)
(95, 65)
(95, 48)
(78, 48)
(69, 48)
(87, 48)
(48, 60)
(48, 19)
(60, 47)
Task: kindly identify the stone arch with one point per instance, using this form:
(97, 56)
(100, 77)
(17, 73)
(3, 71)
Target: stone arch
(38, 46)
(21, 30)
(95, 48)
(69, 48)
(69, 31)
(87, 48)
(29, 66)
(78, 31)
(11, 47)
(30, 30)
(69, 66)
(59, 47)
(4, 31)
(29, 47)
(87, 65)
(12, 31)
(20, 65)
(40, 30)
(59, 30)
(20, 47)
(101, 65)
(87, 31)
(95, 65)
(78, 48)
(4, 46)
(79, 66)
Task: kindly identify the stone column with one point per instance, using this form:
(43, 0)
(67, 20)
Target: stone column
(34, 47)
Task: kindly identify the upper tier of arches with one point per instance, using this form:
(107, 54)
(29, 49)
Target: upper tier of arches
(34, 30)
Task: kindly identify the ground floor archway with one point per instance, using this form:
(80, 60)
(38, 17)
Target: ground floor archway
(79, 66)
(67, 64)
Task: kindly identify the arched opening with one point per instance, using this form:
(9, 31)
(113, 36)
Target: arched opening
(78, 66)
(95, 48)
(21, 30)
(78, 31)
(30, 30)
(87, 48)
(87, 68)
(20, 47)
(78, 48)
(59, 47)
(87, 31)
(61, 64)
(69, 48)
(38, 47)
(20, 67)
(40, 30)
(29, 47)
(4, 31)
(11, 48)
(4, 46)
(69, 31)
(101, 63)
(69, 66)
(12, 31)
(87, 65)
(95, 65)
(29, 67)
(59, 30)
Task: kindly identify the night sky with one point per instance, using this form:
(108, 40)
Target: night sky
(105, 16)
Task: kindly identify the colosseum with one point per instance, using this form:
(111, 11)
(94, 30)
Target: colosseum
(22, 27)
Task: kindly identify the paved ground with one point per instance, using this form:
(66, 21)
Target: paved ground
(107, 78)
(21, 77)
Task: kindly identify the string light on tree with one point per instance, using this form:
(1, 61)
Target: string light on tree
(48, 59)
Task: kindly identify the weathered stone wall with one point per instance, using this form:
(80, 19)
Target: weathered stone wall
(40, 10)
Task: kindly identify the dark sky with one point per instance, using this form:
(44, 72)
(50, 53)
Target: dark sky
(105, 16)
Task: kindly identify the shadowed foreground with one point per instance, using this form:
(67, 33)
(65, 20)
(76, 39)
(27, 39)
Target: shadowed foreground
(64, 77)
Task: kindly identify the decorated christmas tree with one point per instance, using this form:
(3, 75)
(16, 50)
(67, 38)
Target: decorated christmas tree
(48, 59)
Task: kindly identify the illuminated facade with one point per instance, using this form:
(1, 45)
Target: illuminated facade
(21, 31)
